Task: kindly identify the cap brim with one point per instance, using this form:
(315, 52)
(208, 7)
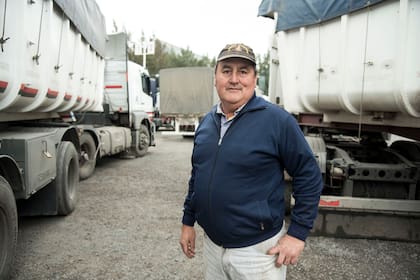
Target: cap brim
(223, 57)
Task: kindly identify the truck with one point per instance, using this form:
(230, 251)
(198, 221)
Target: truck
(186, 95)
(68, 96)
(349, 73)
(127, 110)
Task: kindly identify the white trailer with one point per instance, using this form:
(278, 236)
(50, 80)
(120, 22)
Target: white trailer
(349, 72)
(56, 118)
(186, 95)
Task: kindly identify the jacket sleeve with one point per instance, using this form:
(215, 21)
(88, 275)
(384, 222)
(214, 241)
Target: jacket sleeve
(189, 214)
(189, 209)
(300, 163)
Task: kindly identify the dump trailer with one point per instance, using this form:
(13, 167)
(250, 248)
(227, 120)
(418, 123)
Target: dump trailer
(56, 116)
(186, 95)
(349, 72)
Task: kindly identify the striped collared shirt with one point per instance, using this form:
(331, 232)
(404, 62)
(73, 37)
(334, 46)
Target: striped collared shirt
(224, 121)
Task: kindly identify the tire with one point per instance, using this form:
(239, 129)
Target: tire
(67, 179)
(8, 228)
(143, 142)
(87, 159)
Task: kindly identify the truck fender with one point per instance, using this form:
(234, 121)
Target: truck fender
(10, 171)
(140, 119)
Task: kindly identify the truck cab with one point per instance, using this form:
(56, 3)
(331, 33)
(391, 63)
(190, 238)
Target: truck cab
(127, 87)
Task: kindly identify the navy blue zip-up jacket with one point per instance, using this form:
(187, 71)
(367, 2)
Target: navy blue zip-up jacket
(236, 188)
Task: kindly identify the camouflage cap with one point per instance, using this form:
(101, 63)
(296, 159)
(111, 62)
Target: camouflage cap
(237, 50)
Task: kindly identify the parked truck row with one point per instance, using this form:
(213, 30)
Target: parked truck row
(68, 96)
(349, 72)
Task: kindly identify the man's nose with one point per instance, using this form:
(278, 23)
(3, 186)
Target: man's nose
(234, 78)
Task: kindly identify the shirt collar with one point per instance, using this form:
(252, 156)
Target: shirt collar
(220, 111)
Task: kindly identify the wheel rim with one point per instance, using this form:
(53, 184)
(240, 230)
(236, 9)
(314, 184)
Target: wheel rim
(144, 141)
(84, 153)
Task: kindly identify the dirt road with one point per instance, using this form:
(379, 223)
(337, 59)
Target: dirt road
(127, 224)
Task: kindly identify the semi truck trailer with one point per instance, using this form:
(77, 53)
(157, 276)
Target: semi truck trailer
(349, 72)
(186, 95)
(68, 96)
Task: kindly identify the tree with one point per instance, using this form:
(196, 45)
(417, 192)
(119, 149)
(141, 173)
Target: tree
(264, 71)
(158, 59)
(165, 58)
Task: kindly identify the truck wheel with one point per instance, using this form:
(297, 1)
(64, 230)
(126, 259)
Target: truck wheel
(143, 142)
(8, 228)
(87, 159)
(67, 178)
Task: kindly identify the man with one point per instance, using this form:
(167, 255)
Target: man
(236, 188)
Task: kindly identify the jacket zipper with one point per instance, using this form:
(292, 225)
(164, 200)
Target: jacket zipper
(219, 143)
(212, 174)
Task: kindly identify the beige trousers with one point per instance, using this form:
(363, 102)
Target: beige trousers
(245, 263)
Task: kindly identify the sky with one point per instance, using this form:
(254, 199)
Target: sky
(202, 26)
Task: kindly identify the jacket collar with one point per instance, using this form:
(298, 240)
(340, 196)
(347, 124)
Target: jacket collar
(255, 103)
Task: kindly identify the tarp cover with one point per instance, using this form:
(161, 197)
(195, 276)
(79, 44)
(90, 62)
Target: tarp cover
(187, 90)
(88, 19)
(297, 13)
(116, 46)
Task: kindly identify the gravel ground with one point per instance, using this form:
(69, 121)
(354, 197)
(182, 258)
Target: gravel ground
(127, 225)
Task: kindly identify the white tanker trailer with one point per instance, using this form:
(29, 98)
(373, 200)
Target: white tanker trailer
(350, 73)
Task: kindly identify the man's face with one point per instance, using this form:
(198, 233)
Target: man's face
(235, 81)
